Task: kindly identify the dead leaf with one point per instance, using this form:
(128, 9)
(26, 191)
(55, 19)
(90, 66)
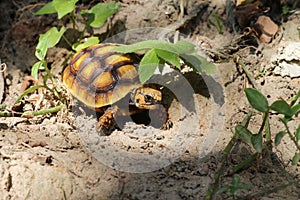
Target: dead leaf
(246, 13)
(29, 81)
(36, 100)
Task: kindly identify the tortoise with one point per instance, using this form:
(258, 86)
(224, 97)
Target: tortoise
(100, 77)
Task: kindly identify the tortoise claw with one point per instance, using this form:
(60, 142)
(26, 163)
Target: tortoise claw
(167, 125)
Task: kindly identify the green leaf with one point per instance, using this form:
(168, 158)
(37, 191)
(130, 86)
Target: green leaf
(161, 65)
(101, 12)
(206, 66)
(54, 36)
(35, 68)
(88, 42)
(148, 65)
(169, 57)
(243, 133)
(198, 63)
(218, 23)
(48, 40)
(257, 100)
(184, 47)
(170, 52)
(90, 17)
(226, 188)
(63, 7)
(295, 109)
(296, 159)
(278, 137)
(282, 107)
(257, 141)
(151, 44)
(295, 98)
(235, 181)
(297, 133)
(46, 9)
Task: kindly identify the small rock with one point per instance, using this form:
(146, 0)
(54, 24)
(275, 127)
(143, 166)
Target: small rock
(287, 62)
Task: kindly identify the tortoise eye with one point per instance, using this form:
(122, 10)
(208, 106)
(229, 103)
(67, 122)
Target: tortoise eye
(148, 98)
(137, 101)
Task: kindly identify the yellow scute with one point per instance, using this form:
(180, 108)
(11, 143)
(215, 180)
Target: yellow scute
(116, 58)
(104, 81)
(128, 72)
(88, 70)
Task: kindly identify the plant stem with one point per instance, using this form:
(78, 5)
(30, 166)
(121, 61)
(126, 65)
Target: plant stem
(29, 90)
(30, 114)
(244, 163)
(6, 114)
(250, 77)
(56, 93)
(82, 33)
(2, 106)
(294, 100)
(290, 134)
(214, 186)
(67, 41)
(266, 116)
(72, 17)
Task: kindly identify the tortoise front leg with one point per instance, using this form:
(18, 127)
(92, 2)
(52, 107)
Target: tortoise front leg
(107, 120)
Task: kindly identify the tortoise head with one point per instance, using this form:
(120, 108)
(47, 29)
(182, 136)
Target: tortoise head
(146, 98)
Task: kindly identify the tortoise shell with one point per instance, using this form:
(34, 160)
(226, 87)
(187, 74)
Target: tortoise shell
(98, 76)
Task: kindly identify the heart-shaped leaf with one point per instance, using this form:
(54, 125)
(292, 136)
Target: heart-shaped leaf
(88, 42)
(198, 63)
(101, 12)
(169, 57)
(46, 9)
(148, 65)
(48, 40)
(64, 7)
